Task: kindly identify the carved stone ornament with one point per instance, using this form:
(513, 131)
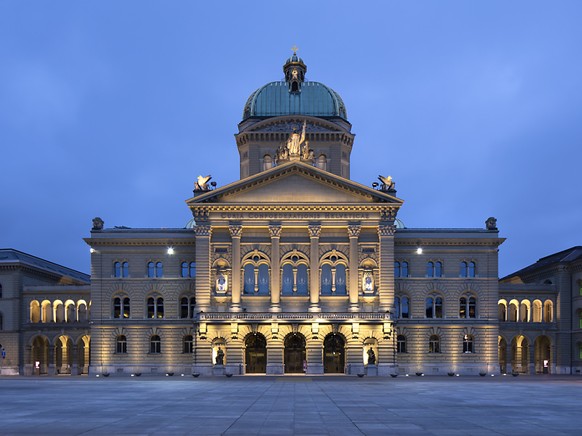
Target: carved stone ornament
(386, 230)
(354, 230)
(98, 223)
(389, 214)
(314, 231)
(203, 230)
(275, 231)
(387, 183)
(491, 223)
(200, 215)
(235, 231)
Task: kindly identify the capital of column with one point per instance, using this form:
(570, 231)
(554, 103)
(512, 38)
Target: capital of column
(235, 231)
(204, 230)
(354, 230)
(386, 230)
(275, 231)
(314, 231)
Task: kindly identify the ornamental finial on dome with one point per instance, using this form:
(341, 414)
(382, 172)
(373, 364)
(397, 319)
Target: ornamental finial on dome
(294, 70)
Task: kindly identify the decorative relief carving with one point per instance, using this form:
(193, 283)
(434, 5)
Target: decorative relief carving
(388, 214)
(354, 230)
(200, 215)
(275, 231)
(314, 231)
(235, 231)
(203, 230)
(386, 230)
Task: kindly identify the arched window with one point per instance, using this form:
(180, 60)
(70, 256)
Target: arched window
(121, 269)
(467, 307)
(333, 274)
(502, 310)
(70, 311)
(472, 269)
(404, 307)
(404, 269)
(434, 269)
(548, 311)
(396, 269)
(155, 345)
(155, 269)
(434, 344)
(536, 312)
(434, 307)
(401, 344)
(267, 162)
(513, 309)
(256, 274)
(524, 311)
(468, 344)
(34, 311)
(188, 269)
(187, 307)
(322, 162)
(155, 307)
(188, 344)
(121, 344)
(295, 277)
(121, 307)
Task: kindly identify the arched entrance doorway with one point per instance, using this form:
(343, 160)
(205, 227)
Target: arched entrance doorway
(334, 354)
(520, 357)
(542, 354)
(294, 353)
(39, 355)
(83, 351)
(63, 355)
(502, 352)
(256, 354)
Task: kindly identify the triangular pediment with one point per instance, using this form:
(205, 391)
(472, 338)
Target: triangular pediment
(295, 183)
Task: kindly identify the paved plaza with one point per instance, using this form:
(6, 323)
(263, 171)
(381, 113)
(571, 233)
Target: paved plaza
(300, 405)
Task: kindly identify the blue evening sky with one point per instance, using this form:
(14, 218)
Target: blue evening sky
(112, 108)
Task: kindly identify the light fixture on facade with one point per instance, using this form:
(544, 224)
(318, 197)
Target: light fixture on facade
(92, 250)
(170, 250)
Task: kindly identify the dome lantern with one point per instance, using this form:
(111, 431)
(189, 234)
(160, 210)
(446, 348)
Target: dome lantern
(294, 70)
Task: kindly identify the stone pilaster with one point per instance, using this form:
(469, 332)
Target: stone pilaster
(314, 231)
(353, 233)
(235, 234)
(386, 285)
(275, 232)
(203, 288)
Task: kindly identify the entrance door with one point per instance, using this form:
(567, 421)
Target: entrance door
(334, 354)
(256, 354)
(294, 353)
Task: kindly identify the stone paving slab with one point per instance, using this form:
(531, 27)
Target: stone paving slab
(291, 406)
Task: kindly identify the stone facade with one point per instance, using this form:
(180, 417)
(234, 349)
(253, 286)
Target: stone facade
(540, 316)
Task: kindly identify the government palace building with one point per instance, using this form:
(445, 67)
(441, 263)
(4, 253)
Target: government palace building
(292, 269)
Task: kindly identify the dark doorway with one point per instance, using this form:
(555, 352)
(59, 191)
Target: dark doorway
(294, 353)
(256, 354)
(334, 354)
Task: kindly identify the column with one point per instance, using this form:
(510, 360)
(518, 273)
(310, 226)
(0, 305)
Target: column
(275, 232)
(314, 231)
(235, 234)
(203, 290)
(354, 233)
(386, 285)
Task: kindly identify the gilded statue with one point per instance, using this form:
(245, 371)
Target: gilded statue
(295, 141)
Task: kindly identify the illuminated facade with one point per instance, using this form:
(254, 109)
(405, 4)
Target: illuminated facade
(540, 316)
(294, 268)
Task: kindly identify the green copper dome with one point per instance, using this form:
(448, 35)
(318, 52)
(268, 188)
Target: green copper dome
(294, 96)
